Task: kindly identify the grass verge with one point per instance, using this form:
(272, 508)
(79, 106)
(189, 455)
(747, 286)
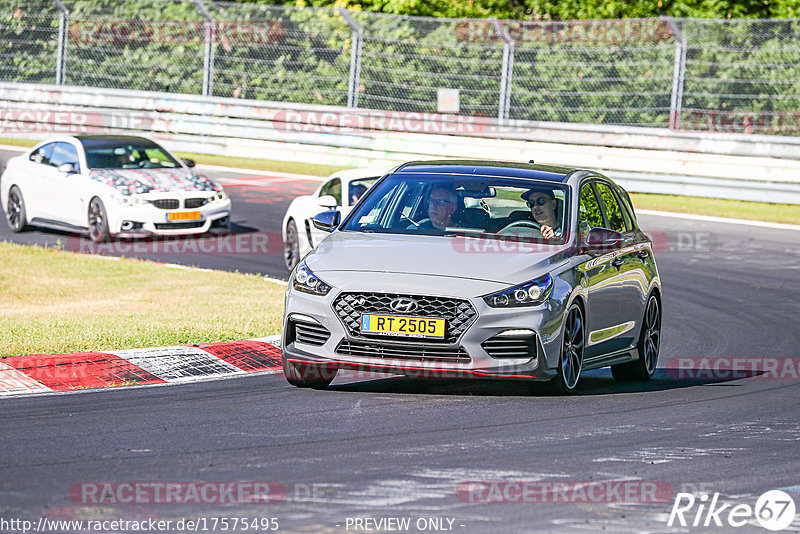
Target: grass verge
(264, 164)
(737, 209)
(52, 301)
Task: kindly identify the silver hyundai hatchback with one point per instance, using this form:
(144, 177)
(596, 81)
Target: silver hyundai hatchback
(480, 269)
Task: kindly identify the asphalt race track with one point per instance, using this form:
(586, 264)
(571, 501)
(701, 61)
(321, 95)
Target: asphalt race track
(384, 448)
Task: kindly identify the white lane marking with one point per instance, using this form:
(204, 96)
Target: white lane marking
(709, 218)
(178, 364)
(15, 382)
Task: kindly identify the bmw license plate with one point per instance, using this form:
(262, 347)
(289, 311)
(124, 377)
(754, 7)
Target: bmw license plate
(399, 325)
(183, 216)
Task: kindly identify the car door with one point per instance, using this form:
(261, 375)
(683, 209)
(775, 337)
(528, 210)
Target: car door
(32, 181)
(630, 276)
(62, 194)
(602, 310)
(331, 188)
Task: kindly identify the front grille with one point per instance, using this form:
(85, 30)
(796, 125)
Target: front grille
(195, 202)
(517, 346)
(179, 225)
(402, 351)
(458, 313)
(166, 203)
(310, 334)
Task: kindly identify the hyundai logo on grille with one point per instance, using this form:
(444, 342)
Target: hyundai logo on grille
(403, 305)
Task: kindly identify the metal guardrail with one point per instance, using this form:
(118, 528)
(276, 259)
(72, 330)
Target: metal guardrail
(746, 167)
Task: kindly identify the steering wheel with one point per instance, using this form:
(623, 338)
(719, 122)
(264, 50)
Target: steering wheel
(521, 224)
(417, 224)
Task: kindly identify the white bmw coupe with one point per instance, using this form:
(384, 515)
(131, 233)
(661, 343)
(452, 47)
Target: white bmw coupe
(110, 186)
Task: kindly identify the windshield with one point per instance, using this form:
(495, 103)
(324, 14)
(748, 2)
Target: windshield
(437, 204)
(129, 156)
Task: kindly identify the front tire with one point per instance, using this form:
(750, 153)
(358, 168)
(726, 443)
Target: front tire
(98, 221)
(15, 210)
(648, 346)
(308, 376)
(291, 246)
(570, 362)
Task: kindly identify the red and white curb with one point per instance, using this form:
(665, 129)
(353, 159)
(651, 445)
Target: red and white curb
(24, 375)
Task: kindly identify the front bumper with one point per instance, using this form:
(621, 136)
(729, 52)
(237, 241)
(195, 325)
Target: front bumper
(541, 325)
(143, 221)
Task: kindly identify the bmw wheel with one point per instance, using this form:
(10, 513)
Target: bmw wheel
(98, 221)
(308, 375)
(649, 343)
(291, 247)
(15, 210)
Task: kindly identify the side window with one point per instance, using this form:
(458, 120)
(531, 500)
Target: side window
(42, 154)
(614, 216)
(589, 215)
(334, 189)
(63, 153)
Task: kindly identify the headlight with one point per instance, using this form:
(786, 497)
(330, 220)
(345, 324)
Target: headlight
(129, 200)
(527, 294)
(306, 281)
(219, 197)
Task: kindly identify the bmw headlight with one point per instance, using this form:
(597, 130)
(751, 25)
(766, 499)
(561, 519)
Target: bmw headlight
(306, 281)
(219, 197)
(527, 294)
(123, 200)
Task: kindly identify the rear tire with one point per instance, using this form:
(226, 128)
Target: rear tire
(647, 347)
(98, 221)
(15, 210)
(308, 375)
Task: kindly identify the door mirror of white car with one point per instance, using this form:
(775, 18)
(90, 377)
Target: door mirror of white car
(327, 221)
(188, 162)
(602, 240)
(327, 201)
(68, 168)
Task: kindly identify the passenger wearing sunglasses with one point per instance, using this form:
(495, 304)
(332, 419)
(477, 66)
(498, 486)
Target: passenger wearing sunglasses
(542, 203)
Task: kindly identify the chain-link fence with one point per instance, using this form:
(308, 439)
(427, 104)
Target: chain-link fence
(733, 76)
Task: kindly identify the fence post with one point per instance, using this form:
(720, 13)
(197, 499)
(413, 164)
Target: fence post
(61, 53)
(507, 71)
(678, 76)
(355, 58)
(210, 37)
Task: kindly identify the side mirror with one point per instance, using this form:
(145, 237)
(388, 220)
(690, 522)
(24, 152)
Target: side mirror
(68, 168)
(188, 162)
(327, 221)
(602, 240)
(327, 201)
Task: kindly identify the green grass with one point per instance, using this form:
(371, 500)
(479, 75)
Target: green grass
(18, 142)
(737, 209)
(264, 164)
(52, 301)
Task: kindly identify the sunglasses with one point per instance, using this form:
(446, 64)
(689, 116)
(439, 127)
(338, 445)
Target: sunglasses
(440, 201)
(538, 202)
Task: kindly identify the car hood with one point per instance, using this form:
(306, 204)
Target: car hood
(453, 257)
(138, 181)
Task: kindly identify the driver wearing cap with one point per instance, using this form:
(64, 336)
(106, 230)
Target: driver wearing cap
(542, 203)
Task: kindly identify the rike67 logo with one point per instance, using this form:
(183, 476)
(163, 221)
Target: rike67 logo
(774, 510)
